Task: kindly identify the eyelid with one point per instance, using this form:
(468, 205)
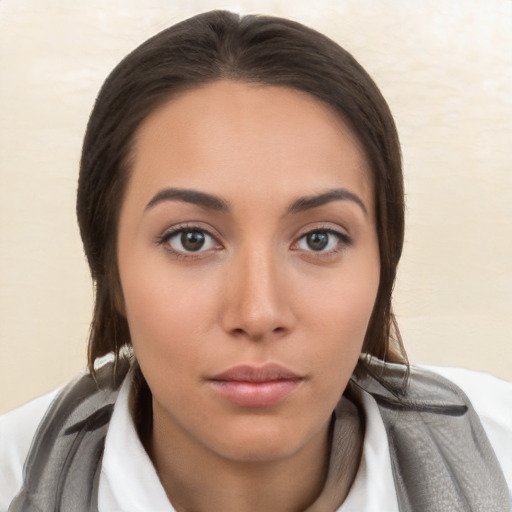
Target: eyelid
(187, 226)
(344, 239)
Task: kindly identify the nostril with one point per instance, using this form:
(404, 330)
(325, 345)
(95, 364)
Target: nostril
(238, 332)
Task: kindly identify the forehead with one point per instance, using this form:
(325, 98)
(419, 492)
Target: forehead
(231, 135)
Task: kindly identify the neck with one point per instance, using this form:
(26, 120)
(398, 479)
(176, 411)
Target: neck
(198, 479)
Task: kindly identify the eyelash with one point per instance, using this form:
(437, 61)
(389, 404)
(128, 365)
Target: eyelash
(343, 241)
(169, 235)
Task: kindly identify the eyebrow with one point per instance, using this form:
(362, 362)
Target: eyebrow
(338, 194)
(215, 203)
(189, 196)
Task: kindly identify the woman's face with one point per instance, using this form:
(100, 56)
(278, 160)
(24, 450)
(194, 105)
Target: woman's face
(249, 265)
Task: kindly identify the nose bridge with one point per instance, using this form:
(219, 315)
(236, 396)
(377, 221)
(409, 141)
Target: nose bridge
(256, 303)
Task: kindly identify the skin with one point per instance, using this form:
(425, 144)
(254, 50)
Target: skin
(255, 292)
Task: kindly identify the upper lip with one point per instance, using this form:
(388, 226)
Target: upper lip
(253, 373)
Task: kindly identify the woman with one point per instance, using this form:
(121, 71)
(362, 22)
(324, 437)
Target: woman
(241, 206)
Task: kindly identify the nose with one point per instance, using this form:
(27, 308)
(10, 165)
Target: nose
(257, 303)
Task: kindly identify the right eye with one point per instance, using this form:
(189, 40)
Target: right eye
(189, 240)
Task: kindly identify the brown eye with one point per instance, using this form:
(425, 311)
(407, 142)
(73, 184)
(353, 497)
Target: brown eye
(189, 240)
(322, 240)
(317, 241)
(192, 240)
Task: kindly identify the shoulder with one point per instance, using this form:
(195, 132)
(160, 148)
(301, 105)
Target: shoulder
(17, 429)
(491, 397)
(492, 400)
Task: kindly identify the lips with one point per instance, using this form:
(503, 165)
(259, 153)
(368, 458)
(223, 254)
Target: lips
(255, 386)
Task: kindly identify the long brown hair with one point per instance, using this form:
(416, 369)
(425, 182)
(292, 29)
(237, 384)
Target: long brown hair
(220, 45)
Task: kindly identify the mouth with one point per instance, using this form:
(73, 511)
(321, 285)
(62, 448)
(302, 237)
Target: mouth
(255, 386)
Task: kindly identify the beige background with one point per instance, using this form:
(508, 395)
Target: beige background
(445, 67)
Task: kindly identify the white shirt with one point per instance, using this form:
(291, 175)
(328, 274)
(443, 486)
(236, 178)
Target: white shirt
(129, 482)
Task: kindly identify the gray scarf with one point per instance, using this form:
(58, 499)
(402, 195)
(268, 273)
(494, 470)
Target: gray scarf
(441, 458)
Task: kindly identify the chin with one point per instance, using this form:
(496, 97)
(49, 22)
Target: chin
(268, 441)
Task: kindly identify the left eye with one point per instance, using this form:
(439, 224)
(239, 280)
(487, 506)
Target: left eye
(319, 241)
(190, 240)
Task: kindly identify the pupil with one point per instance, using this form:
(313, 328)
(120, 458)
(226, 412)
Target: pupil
(317, 241)
(192, 240)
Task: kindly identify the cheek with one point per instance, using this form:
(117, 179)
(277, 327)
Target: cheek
(168, 313)
(344, 302)
(168, 338)
(339, 314)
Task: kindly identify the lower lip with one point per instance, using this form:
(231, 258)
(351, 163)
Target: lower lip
(255, 394)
